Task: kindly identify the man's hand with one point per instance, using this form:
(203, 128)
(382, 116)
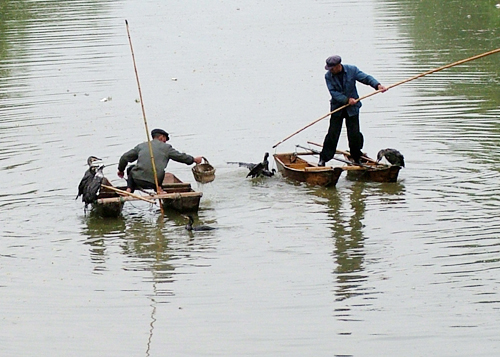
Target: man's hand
(198, 159)
(352, 101)
(120, 174)
(381, 88)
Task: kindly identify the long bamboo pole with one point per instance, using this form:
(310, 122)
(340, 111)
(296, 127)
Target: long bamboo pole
(392, 86)
(144, 115)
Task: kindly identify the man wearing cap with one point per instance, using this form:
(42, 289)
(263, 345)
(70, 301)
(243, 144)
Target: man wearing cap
(141, 174)
(341, 82)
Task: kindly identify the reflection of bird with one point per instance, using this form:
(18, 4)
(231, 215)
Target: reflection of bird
(257, 170)
(91, 182)
(392, 155)
(190, 227)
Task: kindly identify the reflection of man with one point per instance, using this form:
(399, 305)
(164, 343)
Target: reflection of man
(341, 82)
(141, 174)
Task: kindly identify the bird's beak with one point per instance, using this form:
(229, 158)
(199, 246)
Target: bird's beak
(96, 163)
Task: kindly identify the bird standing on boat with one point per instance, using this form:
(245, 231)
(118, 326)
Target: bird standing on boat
(393, 156)
(190, 227)
(257, 170)
(91, 182)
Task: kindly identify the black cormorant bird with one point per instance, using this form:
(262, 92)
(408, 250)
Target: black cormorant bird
(190, 227)
(257, 170)
(91, 182)
(393, 156)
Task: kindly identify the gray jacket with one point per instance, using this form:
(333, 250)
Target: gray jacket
(143, 169)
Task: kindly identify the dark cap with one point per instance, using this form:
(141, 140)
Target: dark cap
(332, 61)
(156, 132)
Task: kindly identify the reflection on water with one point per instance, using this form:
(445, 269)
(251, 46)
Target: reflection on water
(347, 210)
(97, 232)
(421, 255)
(154, 243)
(349, 243)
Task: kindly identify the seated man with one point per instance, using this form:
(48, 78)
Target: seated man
(141, 174)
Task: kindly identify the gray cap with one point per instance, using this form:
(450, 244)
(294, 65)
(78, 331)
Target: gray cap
(156, 132)
(332, 61)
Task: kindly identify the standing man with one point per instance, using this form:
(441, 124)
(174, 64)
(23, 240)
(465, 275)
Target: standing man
(141, 174)
(341, 82)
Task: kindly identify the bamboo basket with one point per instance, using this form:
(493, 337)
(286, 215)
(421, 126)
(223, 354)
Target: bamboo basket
(204, 172)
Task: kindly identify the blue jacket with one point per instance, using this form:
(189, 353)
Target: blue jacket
(341, 92)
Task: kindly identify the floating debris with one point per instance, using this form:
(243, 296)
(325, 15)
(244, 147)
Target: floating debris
(107, 99)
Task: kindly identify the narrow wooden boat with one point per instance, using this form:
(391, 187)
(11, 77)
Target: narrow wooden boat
(369, 170)
(102, 208)
(292, 166)
(178, 196)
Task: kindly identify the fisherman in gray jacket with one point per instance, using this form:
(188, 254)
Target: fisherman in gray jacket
(341, 82)
(141, 174)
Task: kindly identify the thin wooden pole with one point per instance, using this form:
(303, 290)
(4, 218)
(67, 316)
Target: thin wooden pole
(128, 193)
(392, 86)
(346, 153)
(144, 115)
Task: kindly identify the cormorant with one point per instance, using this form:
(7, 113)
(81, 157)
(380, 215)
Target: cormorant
(190, 227)
(393, 156)
(257, 170)
(91, 182)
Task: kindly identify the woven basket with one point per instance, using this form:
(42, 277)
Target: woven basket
(204, 172)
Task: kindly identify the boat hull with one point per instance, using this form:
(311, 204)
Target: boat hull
(370, 170)
(182, 197)
(107, 210)
(385, 174)
(178, 196)
(293, 167)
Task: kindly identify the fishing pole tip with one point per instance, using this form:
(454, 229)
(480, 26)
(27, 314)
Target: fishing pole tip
(126, 22)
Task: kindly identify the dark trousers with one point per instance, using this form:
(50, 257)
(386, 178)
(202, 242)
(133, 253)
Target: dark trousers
(134, 183)
(332, 137)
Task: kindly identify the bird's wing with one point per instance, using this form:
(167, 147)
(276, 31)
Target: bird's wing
(87, 177)
(91, 190)
(257, 170)
(248, 165)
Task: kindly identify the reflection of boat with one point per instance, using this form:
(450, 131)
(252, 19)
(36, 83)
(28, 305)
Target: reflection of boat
(291, 166)
(369, 170)
(178, 196)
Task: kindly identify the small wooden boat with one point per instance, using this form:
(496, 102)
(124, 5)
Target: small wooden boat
(369, 170)
(102, 208)
(178, 196)
(291, 166)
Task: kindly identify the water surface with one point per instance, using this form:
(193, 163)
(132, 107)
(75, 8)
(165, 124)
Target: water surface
(408, 268)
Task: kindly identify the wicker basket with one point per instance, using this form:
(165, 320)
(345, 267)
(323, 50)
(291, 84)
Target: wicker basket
(204, 172)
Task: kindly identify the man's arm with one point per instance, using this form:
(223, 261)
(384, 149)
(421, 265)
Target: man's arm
(129, 156)
(337, 96)
(366, 79)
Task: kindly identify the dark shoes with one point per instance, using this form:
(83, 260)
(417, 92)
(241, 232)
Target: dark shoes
(321, 162)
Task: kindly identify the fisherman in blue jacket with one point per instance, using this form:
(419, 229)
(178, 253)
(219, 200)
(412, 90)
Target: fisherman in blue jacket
(341, 82)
